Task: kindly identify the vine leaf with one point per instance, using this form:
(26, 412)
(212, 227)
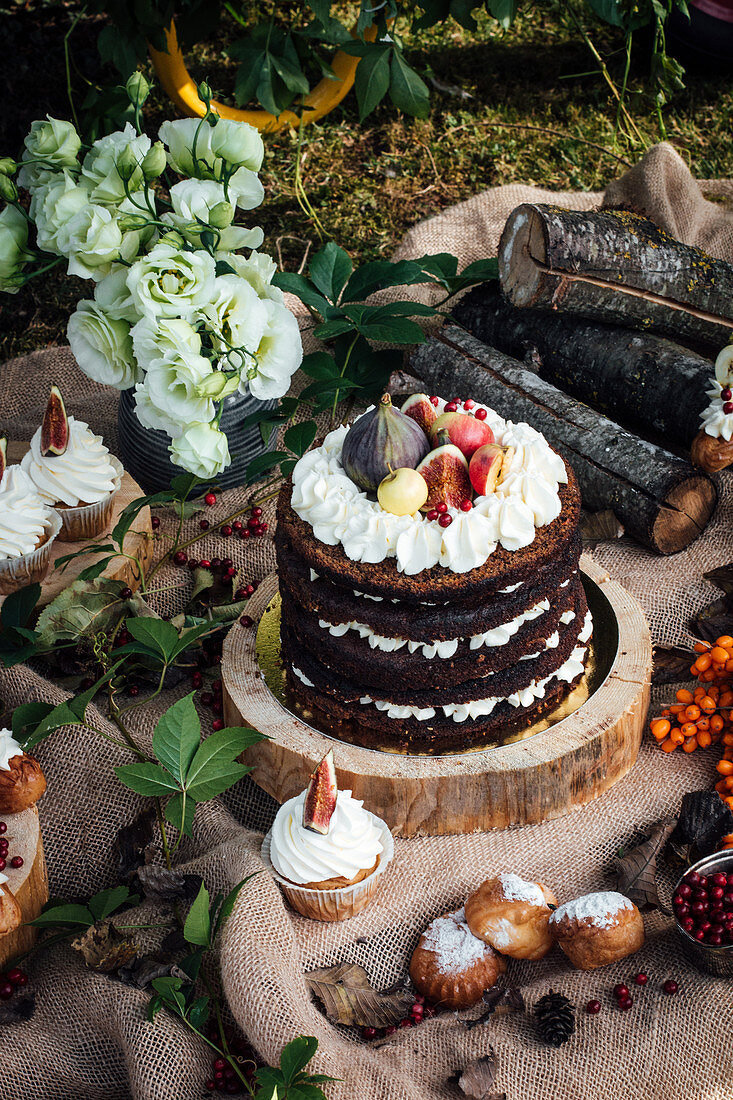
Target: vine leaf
(104, 949)
(636, 867)
(348, 997)
(85, 607)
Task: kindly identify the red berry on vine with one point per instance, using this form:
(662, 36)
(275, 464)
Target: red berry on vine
(445, 520)
(593, 1008)
(217, 724)
(125, 594)
(155, 522)
(226, 530)
(670, 987)
(210, 499)
(480, 414)
(246, 620)
(180, 557)
(204, 524)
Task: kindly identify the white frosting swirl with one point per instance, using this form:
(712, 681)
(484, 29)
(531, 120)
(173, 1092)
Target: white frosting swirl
(83, 474)
(9, 748)
(714, 421)
(339, 512)
(3, 879)
(24, 518)
(352, 844)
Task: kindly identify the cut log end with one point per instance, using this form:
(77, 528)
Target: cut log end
(684, 515)
(522, 249)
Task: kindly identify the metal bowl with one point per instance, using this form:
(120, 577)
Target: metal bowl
(713, 960)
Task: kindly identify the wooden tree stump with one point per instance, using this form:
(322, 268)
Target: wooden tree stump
(138, 543)
(523, 782)
(28, 883)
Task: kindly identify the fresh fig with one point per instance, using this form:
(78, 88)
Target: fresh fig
(55, 427)
(403, 492)
(320, 798)
(464, 430)
(381, 440)
(3, 454)
(488, 467)
(445, 471)
(420, 408)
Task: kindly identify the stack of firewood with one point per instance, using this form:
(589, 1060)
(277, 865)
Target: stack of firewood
(599, 334)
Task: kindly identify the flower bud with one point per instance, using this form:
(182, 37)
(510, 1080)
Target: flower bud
(153, 163)
(137, 89)
(217, 386)
(173, 238)
(8, 167)
(128, 223)
(8, 190)
(126, 164)
(205, 93)
(221, 215)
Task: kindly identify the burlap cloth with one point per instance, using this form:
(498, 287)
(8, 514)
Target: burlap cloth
(89, 1039)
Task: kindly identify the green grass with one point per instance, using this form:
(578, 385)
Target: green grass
(514, 111)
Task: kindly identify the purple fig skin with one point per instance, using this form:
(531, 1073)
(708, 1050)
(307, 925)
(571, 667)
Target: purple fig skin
(3, 454)
(420, 408)
(55, 426)
(320, 798)
(381, 440)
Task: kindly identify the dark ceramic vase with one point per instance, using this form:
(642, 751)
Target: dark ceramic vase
(146, 457)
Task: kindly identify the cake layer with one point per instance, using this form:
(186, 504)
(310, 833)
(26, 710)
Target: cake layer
(502, 568)
(378, 660)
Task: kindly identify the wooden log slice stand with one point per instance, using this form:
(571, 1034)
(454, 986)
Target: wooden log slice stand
(521, 783)
(28, 883)
(138, 543)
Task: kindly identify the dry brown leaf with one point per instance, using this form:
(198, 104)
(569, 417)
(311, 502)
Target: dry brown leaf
(598, 526)
(671, 665)
(501, 1000)
(722, 577)
(636, 868)
(348, 997)
(103, 948)
(713, 620)
(477, 1079)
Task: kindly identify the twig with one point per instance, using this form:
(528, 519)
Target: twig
(562, 134)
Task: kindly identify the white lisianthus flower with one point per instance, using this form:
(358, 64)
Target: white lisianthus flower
(164, 337)
(93, 241)
(237, 318)
(170, 283)
(202, 450)
(193, 202)
(99, 167)
(14, 253)
(53, 205)
(171, 392)
(245, 189)
(258, 269)
(102, 346)
(238, 143)
(179, 136)
(279, 354)
(55, 143)
(113, 296)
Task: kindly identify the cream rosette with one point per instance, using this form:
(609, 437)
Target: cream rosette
(28, 527)
(81, 484)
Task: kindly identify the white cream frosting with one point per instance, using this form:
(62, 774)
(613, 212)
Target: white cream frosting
(83, 474)
(9, 748)
(352, 844)
(340, 513)
(24, 518)
(714, 421)
(3, 879)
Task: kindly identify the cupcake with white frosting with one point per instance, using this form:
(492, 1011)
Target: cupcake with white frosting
(28, 527)
(328, 875)
(81, 483)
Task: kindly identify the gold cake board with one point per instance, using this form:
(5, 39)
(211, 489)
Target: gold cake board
(565, 761)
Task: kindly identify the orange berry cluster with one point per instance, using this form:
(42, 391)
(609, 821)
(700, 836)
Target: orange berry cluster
(704, 716)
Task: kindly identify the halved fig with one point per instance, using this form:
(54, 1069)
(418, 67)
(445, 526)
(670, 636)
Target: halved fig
(488, 467)
(445, 471)
(420, 408)
(3, 454)
(320, 799)
(55, 426)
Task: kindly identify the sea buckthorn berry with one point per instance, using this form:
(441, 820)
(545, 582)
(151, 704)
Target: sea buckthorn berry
(702, 664)
(660, 727)
(692, 713)
(725, 641)
(480, 414)
(690, 744)
(701, 647)
(707, 704)
(704, 739)
(719, 655)
(689, 729)
(684, 696)
(669, 746)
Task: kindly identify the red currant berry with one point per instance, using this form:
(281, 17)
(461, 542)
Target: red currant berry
(205, 563)
(480, 414)
(3, 824)
(17, 976)
(451, 407)
(210, 499)
(620, 991)
(368, 1032)
(240, 594)
(226, 530)
(466, 505)
(6, 991)
(626, 1004)
(434, 400)
(445, 521)
(728, 407)
(593, 1008)
(16, 862)
(204, 524)
(670, 987)
(180, 557)
(641, 978)
(217, 724)
(238, 525)
(246, 620)
(442, 507)
(433, 514)
(155, 522)
(468, 403)
(257, 511)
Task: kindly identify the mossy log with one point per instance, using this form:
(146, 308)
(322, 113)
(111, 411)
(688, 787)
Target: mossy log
(659, 497)
(643, 381)
(617, 267)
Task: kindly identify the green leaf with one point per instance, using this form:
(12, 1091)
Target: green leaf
(302, 288)
(330, 270)
(319, 365)
(610, 11)
(306, 1090)
(177, 736)
(371, 81)
(106, 902)
(131, 512)
(146, 778)
(80, 610)
(58, 716)
(27, 717)
(198, 1013)
(381, 274)
(296, 1056)
(197, 927)
(228, 904)
(79, 703)
(65, 915)
(407, 90)
(291, 75)
(213, 769)
(299, 438)
(248, 75)
(156, 635)
(96, 569)
(262, 463)
(180, 811)
(330, 329)
(18, 607)
(170, 990)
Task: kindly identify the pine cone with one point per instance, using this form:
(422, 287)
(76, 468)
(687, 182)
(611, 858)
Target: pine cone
(555, 1018)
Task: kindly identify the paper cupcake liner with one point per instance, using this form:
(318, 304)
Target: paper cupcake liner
(333, 905)
(16, 573)
(86, 521)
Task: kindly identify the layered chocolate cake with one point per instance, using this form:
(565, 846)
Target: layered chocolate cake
(441, 627)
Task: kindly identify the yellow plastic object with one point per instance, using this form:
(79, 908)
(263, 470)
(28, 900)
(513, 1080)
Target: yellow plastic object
(181, 88)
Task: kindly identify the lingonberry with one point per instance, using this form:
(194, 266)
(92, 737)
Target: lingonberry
(434, 400)
(670, 987)
(641, 978)
(210, 499)
(451, 407)
(620, 991)
(126, 593)
(155, 522)
(205, 563)
(466, 505)
(3, 824)
(626, 1004)
(180, 557)
(226, 530)
(262, 529)
(593, 1008)
(253, 523)
(245, 534)
(2, 863)
(433, 514)
(480, 414)
(257, 511)
(237, 525)
(445, 520)
(442, 507)
(217, 724)
(240, 594)
(204, 524)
